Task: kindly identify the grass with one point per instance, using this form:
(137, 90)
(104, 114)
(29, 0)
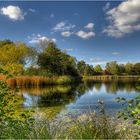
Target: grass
(110, 78)
(38, 81)
(41, 81)
(82, 127)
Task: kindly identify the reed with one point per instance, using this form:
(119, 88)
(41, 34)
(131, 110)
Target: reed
(39, 81)
(109, 78)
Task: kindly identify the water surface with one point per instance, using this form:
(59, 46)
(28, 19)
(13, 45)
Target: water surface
(77, 99)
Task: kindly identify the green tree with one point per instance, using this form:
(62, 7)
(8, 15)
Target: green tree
(129, 68)
(121, 68)
(50, 59)
(81, 67)
(98, 70)
(88, 71)
(112, 67)
(56, 62)
(137, 68)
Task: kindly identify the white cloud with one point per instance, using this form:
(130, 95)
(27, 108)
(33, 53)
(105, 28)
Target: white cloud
(115, 53)
(39, 39)
(95, 59)
(124, 19)
(85, 35)
(89, 26)
(13, 12)
(63, 26)
(106, 7)
(32, 10)
(66, 33)
(52, 15)
(69, 49)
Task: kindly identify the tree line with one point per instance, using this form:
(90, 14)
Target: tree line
(21, 59)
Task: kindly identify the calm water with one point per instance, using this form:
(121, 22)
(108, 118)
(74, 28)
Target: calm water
(77, 99)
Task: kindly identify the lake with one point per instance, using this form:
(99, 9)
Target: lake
(55, 101)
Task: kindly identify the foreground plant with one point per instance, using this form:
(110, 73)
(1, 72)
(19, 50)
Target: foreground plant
(131, 112)
(13, 124)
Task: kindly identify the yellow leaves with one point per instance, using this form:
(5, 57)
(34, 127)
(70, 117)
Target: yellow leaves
(13, 53)
(14, 68)
(13, 56)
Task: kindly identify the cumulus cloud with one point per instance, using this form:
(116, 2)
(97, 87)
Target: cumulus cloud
(40, 42)
(37, 39)
(63, 26)
(89, 26)
(85, 35)
(12, 12)
(66, 33)
(106, 7)
(68, 29)
(124, 19)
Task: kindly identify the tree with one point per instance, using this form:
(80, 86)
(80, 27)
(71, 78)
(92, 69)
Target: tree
(50, 59)
(88, 71)
(14, 56)
(121, 68)
(98, 70)
(56, 62)
(81, 67)
(112, 67)
(137, 68)
(129, 68)
(5, 42)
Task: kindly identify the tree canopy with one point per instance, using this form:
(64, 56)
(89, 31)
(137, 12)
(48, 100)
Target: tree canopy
(13, 56)
(19, 59)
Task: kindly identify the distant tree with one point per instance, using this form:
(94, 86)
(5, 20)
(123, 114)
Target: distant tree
(137, 68)
(129, 68)
(121, 69)
(32, 71)
(112, 67)
(81, 65)
(98, 70)
(105, 72)
(88, 71)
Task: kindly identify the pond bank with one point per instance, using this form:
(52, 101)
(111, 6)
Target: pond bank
(110, 78)
(41, 81)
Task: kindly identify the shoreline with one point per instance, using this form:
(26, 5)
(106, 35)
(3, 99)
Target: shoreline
(41, 81)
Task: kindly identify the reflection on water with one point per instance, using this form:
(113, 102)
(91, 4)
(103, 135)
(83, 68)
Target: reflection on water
(56, 100)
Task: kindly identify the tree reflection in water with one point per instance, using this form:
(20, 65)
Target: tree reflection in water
(51, 100)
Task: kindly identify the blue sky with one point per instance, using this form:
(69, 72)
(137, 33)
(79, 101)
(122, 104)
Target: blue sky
(96, 32)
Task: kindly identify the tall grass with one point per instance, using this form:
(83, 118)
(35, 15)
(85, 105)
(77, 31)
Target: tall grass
(82, 127)
(110, 78)
(38, 81)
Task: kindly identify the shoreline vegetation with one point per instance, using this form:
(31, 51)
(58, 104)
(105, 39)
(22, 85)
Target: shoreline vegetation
(42, 81)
